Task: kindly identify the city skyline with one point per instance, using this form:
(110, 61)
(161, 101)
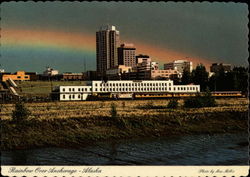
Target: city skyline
(62, 35)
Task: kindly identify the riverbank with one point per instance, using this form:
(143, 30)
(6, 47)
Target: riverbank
(77, 127)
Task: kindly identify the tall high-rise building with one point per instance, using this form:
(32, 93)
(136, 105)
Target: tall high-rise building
(107, 42)
(126, 55)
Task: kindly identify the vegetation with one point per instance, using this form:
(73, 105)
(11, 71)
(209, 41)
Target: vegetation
(79, 128)
(173, 103)
(42, 88)
(21, 113)
(235, 80)
(113, 111)
(200, 101)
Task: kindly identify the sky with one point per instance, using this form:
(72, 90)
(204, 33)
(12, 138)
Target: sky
(62, 34)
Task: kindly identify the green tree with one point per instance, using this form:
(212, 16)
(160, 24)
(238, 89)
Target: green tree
(200, 76)
(186, 77)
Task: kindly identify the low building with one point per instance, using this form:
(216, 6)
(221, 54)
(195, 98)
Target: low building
(18, 76)
(33, 76)
(91, 75)
(167, 74)
(216, 67)
(179, 65)
(50, 72)
(72, 76)
(117, 72)
(117, 87)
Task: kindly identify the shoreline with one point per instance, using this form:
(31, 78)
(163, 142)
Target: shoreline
(79, 131)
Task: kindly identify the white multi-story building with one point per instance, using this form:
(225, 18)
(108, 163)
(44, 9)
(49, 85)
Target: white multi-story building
(67, 93)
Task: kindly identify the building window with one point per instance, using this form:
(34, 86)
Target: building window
(69, 96)
(73, 89)
(70, 89)
(79, 89)
(73, 96)
(79, 96)
(63, 96)
(63, 90)
(19, 77)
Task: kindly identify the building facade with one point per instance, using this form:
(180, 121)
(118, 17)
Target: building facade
(50, 72)
(18, 76)
(179, 65)
(167, 74)
(126, 55)
(72, 76)
(107, 42)
(67, 93)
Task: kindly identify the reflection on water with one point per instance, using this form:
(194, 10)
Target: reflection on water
(221, 149)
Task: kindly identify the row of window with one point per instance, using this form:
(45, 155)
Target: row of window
(131, 89)
(132, 84)
(19, 77)
(72, 96)
(186, 88)
(75, 89)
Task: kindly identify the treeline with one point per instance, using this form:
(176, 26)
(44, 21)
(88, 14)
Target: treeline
(234, 80)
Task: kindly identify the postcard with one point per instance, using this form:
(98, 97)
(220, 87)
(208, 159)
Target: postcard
(124, 89)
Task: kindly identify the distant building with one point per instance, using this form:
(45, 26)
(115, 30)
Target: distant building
(2, 70)
(164, 74)
(179, 65)
(72, 76)
(33, 76)
(50, 72)
(117, 72)
(216, 67)
(143, 63)
(107, 42)
(18, 76)
(91, 75)
(126, 55)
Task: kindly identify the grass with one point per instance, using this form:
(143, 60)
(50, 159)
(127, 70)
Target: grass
(43, 88)
(128, 108)
(76, 123)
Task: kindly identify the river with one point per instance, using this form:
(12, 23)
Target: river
(219, 149)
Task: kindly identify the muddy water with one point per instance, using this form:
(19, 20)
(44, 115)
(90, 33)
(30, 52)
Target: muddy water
(220, 149)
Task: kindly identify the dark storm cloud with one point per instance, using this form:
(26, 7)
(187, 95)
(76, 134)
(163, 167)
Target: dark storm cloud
(217, 31)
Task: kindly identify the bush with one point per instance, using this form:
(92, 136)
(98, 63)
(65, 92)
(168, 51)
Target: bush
(173, 103)
(200, 101)
(113, 111)
(21, 113)
(208, 100)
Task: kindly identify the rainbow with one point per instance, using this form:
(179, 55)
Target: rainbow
(83, 42)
